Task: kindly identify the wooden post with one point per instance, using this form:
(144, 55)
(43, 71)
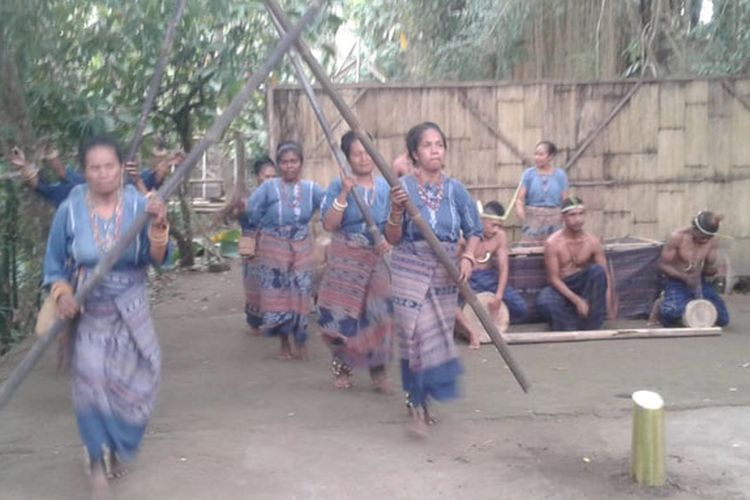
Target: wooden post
(424, 228)
(212, 135)
(647, 458)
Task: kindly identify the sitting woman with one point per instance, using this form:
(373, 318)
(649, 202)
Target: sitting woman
(490, 273)
(543, 188)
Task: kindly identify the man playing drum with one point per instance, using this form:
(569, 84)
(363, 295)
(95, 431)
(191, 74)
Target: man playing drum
(687, 259)
(490, 274)
(579, 294)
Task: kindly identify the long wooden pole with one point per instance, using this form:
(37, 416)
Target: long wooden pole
(377, 236)
(153, 87)
(617, 334)
(213, 135)
(411, 209)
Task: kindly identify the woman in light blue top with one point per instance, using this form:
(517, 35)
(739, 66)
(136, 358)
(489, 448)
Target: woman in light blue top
(355, 308)
(116, 362)
(543, 188)
(425, 297)
(280, 209)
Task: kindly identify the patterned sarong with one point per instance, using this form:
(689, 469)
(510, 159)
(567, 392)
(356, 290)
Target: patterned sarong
(355, 309)
(425, 300)
(486, 280)
(676, 297)
(115, 366)
(590, 284)
(278, 286)
(540, 222)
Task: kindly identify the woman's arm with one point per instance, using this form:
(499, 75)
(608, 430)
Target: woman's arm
(395, 222)
(335, 203)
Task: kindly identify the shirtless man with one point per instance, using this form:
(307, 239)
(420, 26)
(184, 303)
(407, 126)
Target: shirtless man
(402, 165)
(579, 294)
(490, 272)
(687, 258)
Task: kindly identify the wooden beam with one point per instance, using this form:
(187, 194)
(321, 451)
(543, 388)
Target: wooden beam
(338, 120)
(497, 134)
(618, 107)
(618, 334)
(730, 90)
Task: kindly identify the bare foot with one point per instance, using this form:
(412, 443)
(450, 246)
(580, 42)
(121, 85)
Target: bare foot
(286, 349)
(301, 353)
(285, 356)
(474, 343)
(342, 382)
(429, 419)
(381, 384)
(99, 485)
(118, 468)
(417, 428)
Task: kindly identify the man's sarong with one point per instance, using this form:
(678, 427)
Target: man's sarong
(677, 294)
(278, 286)
(425, 300)
(540, 222)
(115, 366)
(485, 280)
(355, 308)
(591, 285)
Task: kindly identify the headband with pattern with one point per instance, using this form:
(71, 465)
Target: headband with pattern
(697, 225)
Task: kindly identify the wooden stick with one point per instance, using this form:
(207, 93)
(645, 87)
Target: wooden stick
(153, 87)
(622, 333)
(602, 125)
(472, 109)
(338, 155)
(411, 209)
(108, 261)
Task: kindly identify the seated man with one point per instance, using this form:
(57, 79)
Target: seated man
(579, 294)
(490, 272)
(687, 258)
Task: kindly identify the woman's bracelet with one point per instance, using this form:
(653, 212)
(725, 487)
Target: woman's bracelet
(158, 237)
(392, 222)
(339, 207)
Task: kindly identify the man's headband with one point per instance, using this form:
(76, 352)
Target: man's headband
(575, 205)
(485, 215)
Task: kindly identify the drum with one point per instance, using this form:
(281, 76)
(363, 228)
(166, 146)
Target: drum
(699, 313)
(500, 317)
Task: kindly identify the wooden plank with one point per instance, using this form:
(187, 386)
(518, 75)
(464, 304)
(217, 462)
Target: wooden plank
(614, 334)
(697, 136)
(671, 105)
(671, 156)
(598, 130)
(533, 116)
(696, 92)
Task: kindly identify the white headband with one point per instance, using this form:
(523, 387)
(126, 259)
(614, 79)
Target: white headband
(700, 228)
(572, 207)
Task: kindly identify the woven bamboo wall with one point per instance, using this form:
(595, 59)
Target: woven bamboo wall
(673, 148)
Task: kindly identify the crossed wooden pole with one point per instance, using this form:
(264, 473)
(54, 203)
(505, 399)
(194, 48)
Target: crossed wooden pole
(424, 228)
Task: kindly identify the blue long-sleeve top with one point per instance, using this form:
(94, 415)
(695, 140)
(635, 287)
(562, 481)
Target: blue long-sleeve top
(282, 209)
(377, 200)
(71, 242)
(544, 190)
(455, 216)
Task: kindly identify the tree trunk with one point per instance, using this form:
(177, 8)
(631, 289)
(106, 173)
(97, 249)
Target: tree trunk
(184, 236)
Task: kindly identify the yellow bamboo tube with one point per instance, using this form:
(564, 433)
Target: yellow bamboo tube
(648, 452)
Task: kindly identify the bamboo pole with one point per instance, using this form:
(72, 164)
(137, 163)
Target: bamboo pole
(411, 209)
(338, 155)
(647, 459)
(153, 86)
(615, 334)
(213, 135)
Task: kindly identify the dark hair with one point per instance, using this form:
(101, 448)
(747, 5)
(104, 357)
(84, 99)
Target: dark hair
(550, 146)
(96, 141)
(348, 139)
(707, 221)
(288, 146)
(571, 201)
(261, 162)
(493, 208)
(415, 135)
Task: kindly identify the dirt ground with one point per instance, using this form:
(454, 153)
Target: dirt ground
(233, 422)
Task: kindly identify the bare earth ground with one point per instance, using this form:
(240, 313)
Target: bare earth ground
(233, 422)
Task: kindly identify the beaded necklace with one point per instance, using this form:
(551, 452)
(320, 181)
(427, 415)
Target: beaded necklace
(292, 197)
(105, 232)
